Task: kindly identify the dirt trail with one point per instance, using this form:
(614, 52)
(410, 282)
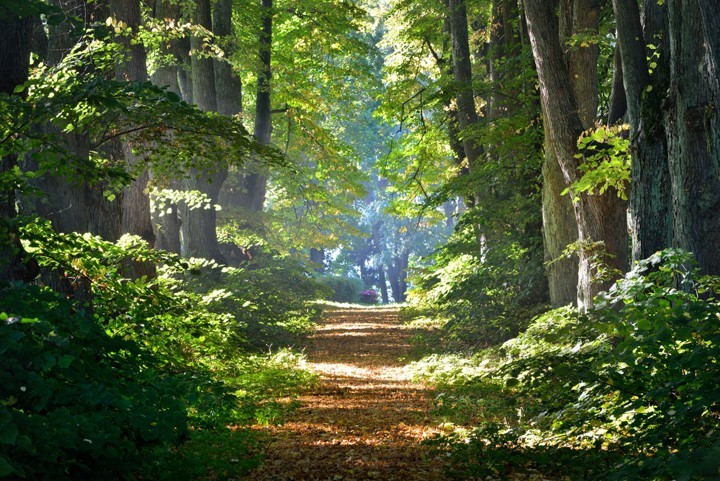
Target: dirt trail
(365, 419)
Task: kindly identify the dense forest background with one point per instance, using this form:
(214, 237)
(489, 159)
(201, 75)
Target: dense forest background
(182, 179)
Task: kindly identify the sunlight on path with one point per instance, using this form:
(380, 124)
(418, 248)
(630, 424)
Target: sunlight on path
(365, 420)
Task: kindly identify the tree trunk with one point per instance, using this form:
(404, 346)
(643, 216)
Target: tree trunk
(397, 274)
(317, 257)
(618, 102)
(404, 260)
(596, 217)
(383, 284)
(650, 204)
(77, 207)
(167, 227)
(255, 182)
(462, 72)
(559, 231)
(227, 84)
(136, 217)
(199, 226)
(559, 224)
(692, 120)
(393, 273)
(14, 65)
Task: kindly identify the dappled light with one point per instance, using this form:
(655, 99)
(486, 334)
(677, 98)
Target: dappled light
(366, 419)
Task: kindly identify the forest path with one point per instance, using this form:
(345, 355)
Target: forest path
(365, 419)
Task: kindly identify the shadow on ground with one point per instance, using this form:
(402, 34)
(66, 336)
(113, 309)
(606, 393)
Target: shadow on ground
(365, 420)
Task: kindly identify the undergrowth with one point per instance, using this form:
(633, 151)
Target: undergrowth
(119, 377)
(627, 391)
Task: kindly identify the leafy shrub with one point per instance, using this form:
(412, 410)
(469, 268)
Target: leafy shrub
(104, 383)
(631, 387)
(486, 300)
(76, 402)
(344, 289)
(268, 301)
(369, 296)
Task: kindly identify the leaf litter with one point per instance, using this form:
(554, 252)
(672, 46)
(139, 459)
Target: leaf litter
(365, 419)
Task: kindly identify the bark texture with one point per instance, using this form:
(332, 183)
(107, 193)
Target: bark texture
(256, 182)
(14, 64)
(166, 227)
(71, 204)
(466, 112)
(227, 84)
(136, 217)
(675, 126)
(692, 119)
(199, 226)
(596, 216)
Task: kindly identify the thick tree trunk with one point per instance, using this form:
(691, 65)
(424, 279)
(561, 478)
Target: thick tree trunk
(227, 84)
(692, 119)
(383, 284)
(650, 199)
(462, 71)
(166, 75)
(582, 61)
(14, 64)
(559, 224)
(397, 274)
(596, 217)
(229, 92)
(136, 216)
(72, 207)
(317, 257)
(255, 182)
(618, 101)
(404, 261)
(559, 231)
(393, 273)
(675, 126)
(167, 227)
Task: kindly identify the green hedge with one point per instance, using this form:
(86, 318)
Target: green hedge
(345, 289)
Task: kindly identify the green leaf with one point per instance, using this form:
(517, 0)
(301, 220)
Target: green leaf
(65, 361)
(8, 432)
(5, 467)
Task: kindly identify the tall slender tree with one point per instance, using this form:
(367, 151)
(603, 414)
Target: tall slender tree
(199, 226)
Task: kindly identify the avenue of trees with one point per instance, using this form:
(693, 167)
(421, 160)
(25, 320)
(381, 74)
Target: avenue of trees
(180, 179)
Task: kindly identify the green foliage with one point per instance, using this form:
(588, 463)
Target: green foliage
(266, 384)
(662, 378)
(606, 154)
(631, 387)
(344, 289)
(486, 299)
(77, 97)
(109, 379)
(267, 300)
(76, 402)
(207, 456)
